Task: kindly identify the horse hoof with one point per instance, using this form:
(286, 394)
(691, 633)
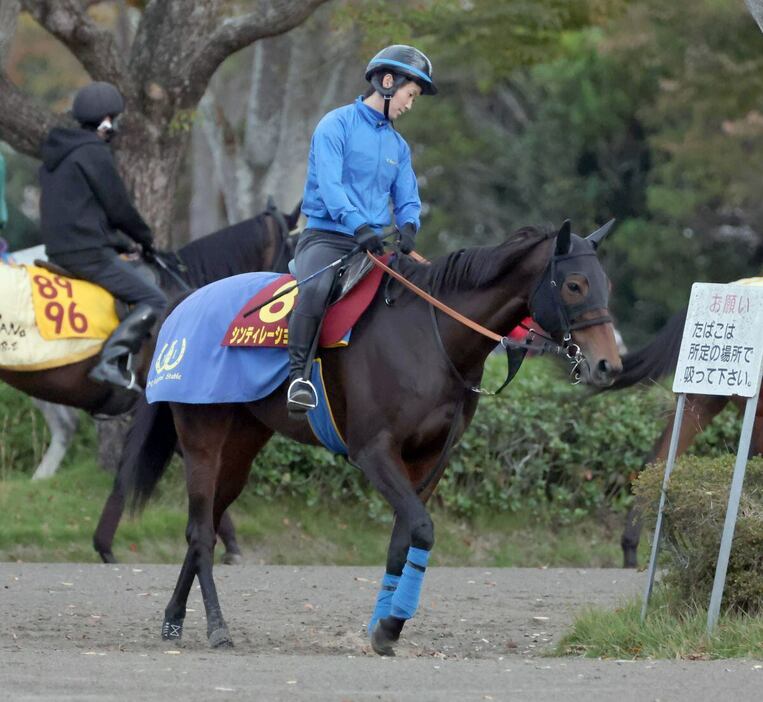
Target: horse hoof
(386, 633)
(231, 558)
(172, 631)
(107, 557)
(220, 638)
(630, 559)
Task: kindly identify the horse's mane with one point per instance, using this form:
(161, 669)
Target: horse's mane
(469, 269)
(235, 249)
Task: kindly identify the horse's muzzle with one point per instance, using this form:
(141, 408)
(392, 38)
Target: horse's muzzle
(602, 374)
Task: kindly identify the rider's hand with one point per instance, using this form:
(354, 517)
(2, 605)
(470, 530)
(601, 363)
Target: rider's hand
(149, 251)
(368, 240)
(406, 238)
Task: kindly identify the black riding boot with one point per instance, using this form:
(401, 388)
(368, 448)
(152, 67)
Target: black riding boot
(303, 335)
(126, 340)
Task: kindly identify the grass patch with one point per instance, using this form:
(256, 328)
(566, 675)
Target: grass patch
(54, 520)
(671, 630)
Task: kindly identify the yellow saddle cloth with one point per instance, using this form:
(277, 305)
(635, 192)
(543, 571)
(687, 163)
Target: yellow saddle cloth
(757, 281)
(48, 320)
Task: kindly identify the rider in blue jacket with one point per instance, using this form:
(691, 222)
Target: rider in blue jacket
(358, 163)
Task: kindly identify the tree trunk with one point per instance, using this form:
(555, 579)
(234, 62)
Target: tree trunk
(295, 79)
(9, 13)
(150, 163)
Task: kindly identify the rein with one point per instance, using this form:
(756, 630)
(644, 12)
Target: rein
(515, 351)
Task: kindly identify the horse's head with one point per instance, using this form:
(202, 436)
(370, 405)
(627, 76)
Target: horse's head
(571, 303)
(286, 225)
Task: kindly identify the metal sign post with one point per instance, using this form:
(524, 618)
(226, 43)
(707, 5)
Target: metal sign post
(721, 354)
(658, 527)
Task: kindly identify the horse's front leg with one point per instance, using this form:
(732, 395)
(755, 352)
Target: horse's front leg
(410, 545)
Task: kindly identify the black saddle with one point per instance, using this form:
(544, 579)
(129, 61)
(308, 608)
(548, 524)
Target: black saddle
(348, 276)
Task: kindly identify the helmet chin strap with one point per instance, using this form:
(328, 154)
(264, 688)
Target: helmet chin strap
(387, 93)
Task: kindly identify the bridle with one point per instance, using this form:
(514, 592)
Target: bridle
(561, 319)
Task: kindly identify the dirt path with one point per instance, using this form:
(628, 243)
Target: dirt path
(72, 632)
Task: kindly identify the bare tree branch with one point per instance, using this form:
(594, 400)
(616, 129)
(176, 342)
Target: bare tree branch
(17, 111)
(23, 122)
(270, 19)
(94, 47)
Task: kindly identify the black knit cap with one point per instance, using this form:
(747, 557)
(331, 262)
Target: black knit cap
(95, 101)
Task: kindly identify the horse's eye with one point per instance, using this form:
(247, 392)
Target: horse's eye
(573, 287)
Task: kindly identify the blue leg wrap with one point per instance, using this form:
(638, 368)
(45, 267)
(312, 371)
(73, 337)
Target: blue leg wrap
(406, 598)
(384, 599)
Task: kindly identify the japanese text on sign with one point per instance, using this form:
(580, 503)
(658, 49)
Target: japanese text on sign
(722, 344)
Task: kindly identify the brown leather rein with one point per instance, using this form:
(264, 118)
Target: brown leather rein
(433, 300)
(568, 349)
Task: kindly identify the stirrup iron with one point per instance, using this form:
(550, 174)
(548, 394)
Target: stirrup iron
(301, 396)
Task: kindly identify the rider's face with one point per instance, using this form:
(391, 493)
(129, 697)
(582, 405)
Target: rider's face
(402, 101)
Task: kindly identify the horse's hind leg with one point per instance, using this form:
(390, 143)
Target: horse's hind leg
(202, 431)
(219, 443)
(62, 422)
(103, 538)
(699, 411)
(406, 567)
(227, 533)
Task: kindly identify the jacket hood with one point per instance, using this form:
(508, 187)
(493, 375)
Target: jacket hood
(61, 141)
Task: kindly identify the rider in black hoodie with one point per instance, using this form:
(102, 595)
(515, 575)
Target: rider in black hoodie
(84, 206)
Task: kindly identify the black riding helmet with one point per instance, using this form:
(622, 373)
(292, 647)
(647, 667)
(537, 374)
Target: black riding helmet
(405, 63)
(96, 101)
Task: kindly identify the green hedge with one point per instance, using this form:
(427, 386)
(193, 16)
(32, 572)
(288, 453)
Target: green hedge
(695, 510)
(542, 439)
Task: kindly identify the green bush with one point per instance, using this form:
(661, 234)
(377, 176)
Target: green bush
(695, 510)
(541, 440)
(23, 434)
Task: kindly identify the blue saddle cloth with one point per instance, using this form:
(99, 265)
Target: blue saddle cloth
(191, 366)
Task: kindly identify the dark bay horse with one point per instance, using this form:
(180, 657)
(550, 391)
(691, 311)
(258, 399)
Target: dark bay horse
(402, 389)
(260, 243)
(655, 361)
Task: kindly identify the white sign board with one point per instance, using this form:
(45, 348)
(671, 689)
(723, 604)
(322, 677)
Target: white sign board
(722, 344)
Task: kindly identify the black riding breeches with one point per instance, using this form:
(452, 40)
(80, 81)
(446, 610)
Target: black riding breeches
(315, 250)
(104, 267)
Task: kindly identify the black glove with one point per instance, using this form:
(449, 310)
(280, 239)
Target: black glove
(406, 238)
(149, 252)
(368, 240)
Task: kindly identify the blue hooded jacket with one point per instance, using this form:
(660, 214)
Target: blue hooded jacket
(357, 162)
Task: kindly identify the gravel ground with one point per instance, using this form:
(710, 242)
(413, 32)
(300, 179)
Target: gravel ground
(81, 631)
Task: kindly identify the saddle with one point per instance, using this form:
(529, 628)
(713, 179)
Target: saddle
(356, 287)
(347, 278)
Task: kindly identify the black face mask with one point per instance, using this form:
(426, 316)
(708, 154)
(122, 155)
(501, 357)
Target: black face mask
(548, 309)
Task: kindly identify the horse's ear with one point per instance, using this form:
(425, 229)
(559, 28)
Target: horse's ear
(563, 239)
(598, 236)
(270, 205)
(293, 217)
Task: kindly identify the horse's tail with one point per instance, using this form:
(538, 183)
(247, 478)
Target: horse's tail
(657, 359)
(147, 451)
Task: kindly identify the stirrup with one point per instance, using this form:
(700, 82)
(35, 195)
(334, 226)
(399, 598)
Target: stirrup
(301, 396)
(112, 374)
